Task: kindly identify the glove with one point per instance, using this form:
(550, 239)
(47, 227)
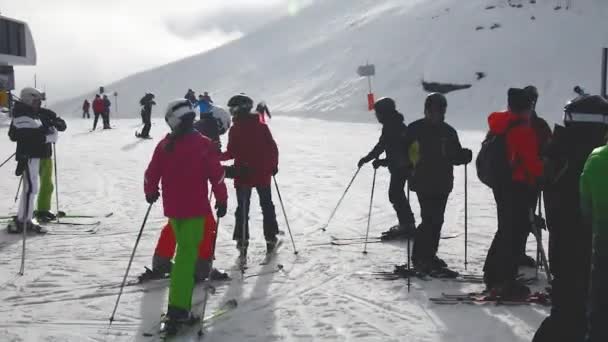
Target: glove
(275, 170)
(221, 209)
(379, 163)
(52, 136)
(229, 171)
(152, 197)
(363, 161)
(467, 155)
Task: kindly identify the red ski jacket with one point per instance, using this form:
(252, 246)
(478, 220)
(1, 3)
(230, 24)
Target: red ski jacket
(522, 146)
(184, 172)
(254, 151)
(98, 106)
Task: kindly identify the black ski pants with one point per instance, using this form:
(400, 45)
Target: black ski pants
(145, 118)
(396, 195)
(86, 114)
(106, 119)
(598, 307)
(97, 114)
(428, 234)
(243, 195)
(513, 203)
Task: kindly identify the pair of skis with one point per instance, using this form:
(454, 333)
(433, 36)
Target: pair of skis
(481, 298)
(338, 241)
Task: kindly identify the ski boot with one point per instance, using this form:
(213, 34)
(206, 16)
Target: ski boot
(218, 275)
(438, 262)
(44, 216)
(512, 291)
(526, 261)
(242, 248)
(175, 319)
(399, 232)
(151, 275)
(271, 244)
(16, 227)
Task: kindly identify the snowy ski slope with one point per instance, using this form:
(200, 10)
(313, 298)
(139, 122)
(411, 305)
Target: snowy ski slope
(324, 294)
(305, 64)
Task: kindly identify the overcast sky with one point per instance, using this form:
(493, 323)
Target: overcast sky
(82, 44)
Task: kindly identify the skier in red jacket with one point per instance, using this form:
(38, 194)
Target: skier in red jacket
(256, 158)
(515, 199)
(185, 162)
(98, 109)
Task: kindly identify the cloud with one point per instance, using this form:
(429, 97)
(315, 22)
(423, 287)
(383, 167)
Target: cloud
(82, 44)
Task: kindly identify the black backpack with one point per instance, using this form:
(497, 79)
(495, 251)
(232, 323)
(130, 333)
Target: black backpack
(493, 168)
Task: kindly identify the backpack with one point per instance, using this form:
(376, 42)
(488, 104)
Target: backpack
(493, 167)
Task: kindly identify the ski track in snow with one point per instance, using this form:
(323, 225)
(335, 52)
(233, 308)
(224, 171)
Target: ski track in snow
(322, 294)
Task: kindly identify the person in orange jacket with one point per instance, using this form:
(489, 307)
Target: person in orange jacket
(515, 197)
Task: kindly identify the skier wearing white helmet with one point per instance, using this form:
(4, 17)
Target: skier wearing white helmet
(32, 137)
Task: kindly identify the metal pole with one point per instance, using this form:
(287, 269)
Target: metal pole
(124, 280)
(295, 251)
(56, 180)
(323, 228)
(8, 159)
(369, 215)
(604, 72)
(466, 216)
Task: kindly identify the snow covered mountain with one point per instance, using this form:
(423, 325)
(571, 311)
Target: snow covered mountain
(305, 64)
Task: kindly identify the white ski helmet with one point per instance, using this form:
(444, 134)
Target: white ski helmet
(30, 95)
(177, 111)
(222, 117)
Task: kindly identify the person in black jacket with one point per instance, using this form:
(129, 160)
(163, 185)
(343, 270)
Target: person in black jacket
(393, 142)
(434, 150)
(570, 235)
(32, 137)
(106, 113)
(146, 114)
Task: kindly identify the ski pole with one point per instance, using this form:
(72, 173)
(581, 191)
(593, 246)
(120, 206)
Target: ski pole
(18, 188)
(244, 228)
(56, 180)
(409, 269)
(540, 214)
(466, 216)
(124, 280)
(541, 249)
(26, 218)
(324, 227)
(369, 215)
(8, 159)
(276, 185)
(202, 327)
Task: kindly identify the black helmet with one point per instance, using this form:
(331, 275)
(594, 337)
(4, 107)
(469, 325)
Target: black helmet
(385, 105)
(532, 92)
(240, 104)
(435, 98)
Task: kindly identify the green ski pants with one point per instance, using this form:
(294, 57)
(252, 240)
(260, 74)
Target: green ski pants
(46, 185)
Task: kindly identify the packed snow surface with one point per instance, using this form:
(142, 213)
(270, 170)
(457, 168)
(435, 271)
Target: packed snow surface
(325, 293)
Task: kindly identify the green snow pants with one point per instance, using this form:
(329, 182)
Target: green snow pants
(188, 234)
(46, 185)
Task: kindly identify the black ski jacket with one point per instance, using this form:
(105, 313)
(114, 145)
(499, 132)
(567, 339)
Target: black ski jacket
(393, 142)
(49, 120)
(28, 132)
(434, 150)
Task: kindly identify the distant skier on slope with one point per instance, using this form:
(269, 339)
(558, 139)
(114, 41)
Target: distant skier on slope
(185, 162)
(204, 105)
(263, 111)
(434, 151)
(256, 158)
(393, 142)
(146, 103)
(98, 109)
(570, 235)
(106, 112)
(86, 106)
(32, 137)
